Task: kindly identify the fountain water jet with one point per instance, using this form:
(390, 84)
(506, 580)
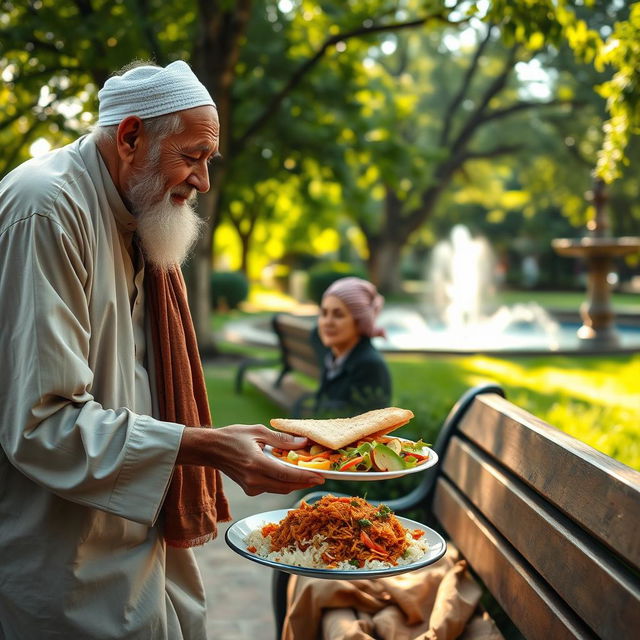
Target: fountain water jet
(461, 310)
(461, 277)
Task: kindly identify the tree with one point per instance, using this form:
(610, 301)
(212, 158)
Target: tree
(52, 72)
(417, 126)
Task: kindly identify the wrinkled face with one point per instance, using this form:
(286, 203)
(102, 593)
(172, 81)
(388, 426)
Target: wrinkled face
(178, 161)
(337, 327)
(162, 191)
(184, 156)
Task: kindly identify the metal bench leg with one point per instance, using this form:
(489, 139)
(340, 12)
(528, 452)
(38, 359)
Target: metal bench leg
(279, 582)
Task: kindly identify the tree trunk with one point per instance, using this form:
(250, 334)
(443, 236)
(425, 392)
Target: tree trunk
(197, 274)
(214, 58)
(384, 264)
(245, 246)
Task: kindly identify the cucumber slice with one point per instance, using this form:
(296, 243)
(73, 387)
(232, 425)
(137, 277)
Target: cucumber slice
(385, 459)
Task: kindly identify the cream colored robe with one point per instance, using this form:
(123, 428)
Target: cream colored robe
(83, 467)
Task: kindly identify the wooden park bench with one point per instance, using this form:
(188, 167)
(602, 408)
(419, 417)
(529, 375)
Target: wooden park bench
(548, 525)
(276, 377)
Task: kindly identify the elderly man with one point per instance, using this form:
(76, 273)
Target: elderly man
(102, 488)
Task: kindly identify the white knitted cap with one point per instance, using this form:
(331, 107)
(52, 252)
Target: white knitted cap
(149, 91)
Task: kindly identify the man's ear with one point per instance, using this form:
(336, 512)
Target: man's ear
(128, 137)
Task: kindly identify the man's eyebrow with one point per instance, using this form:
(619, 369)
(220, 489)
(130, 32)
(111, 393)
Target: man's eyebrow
(204, 149)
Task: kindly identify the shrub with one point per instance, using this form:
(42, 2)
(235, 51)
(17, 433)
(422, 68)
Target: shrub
(228, 289)
(324, 274)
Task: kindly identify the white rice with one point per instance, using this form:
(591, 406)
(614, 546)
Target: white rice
(311, 558)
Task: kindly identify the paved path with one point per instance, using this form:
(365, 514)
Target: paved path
(238, 590)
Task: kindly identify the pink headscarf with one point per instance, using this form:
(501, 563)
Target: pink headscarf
(363, 301)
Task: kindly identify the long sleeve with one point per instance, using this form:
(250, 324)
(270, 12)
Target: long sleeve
(84, 465)
(52, 428)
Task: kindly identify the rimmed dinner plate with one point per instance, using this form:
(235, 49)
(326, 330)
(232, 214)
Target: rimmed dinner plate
(237, 533)
(366, 476)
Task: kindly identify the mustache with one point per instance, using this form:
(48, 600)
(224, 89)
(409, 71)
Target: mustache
(189, 194)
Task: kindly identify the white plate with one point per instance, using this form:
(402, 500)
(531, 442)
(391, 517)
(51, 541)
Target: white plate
(365, 476)
(237, 533)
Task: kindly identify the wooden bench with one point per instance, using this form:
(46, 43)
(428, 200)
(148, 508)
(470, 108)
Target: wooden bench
(274, 377)
(550, 526)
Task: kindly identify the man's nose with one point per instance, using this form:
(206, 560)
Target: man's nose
(199, 178)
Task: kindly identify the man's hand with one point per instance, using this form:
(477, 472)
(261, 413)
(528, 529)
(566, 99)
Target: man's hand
(237, 451)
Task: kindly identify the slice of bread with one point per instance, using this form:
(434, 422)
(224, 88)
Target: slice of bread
(336, 433)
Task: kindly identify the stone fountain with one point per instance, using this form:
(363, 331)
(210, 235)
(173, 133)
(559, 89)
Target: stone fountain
(598, 248)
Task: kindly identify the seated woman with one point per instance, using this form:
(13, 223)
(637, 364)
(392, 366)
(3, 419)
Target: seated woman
(355, 378)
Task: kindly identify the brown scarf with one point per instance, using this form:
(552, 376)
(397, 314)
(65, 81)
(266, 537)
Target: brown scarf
(195, 501)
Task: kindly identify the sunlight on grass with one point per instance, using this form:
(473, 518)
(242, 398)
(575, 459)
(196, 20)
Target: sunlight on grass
(593, 398)
(600, 383)
(263, 299)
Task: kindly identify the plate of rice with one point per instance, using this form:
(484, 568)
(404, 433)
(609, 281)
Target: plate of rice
(342, 537)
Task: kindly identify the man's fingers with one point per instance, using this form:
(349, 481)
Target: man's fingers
(289, 473)
(267, 477)
(285, 440)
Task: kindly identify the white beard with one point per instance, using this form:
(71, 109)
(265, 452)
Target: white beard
(167, 231)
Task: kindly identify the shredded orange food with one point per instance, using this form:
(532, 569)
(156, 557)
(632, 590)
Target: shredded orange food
(354, 530)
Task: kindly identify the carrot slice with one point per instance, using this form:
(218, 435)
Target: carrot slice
(351, 463)
(374, 546)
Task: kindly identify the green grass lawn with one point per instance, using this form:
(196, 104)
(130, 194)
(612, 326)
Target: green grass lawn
(593, 398)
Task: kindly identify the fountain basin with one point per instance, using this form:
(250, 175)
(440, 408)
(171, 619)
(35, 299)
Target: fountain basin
(408, 332)
(596, 247)
(598, 330)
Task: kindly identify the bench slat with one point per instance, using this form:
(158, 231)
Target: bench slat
(285, 395)
(578, 569)
(303, 365)
(302, 350)
(302, 323)
(605, 494)
(534, 608)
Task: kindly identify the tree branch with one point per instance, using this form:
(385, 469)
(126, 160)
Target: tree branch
(23, 140)
(85, 8)
(475, 119)
(500, 150)
(142, 11)
(464, 87)
(497, 114)
(310, 63)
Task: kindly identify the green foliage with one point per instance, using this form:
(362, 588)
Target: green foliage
(228, 289)
(325, 273)
(379, 114)
(622, 92)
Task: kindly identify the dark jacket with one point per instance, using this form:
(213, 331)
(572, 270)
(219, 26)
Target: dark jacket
(363, 383)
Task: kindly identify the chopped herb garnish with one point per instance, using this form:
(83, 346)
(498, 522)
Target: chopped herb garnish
(354, 503)
(383, 512)
(364, 523)
(354, 562)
